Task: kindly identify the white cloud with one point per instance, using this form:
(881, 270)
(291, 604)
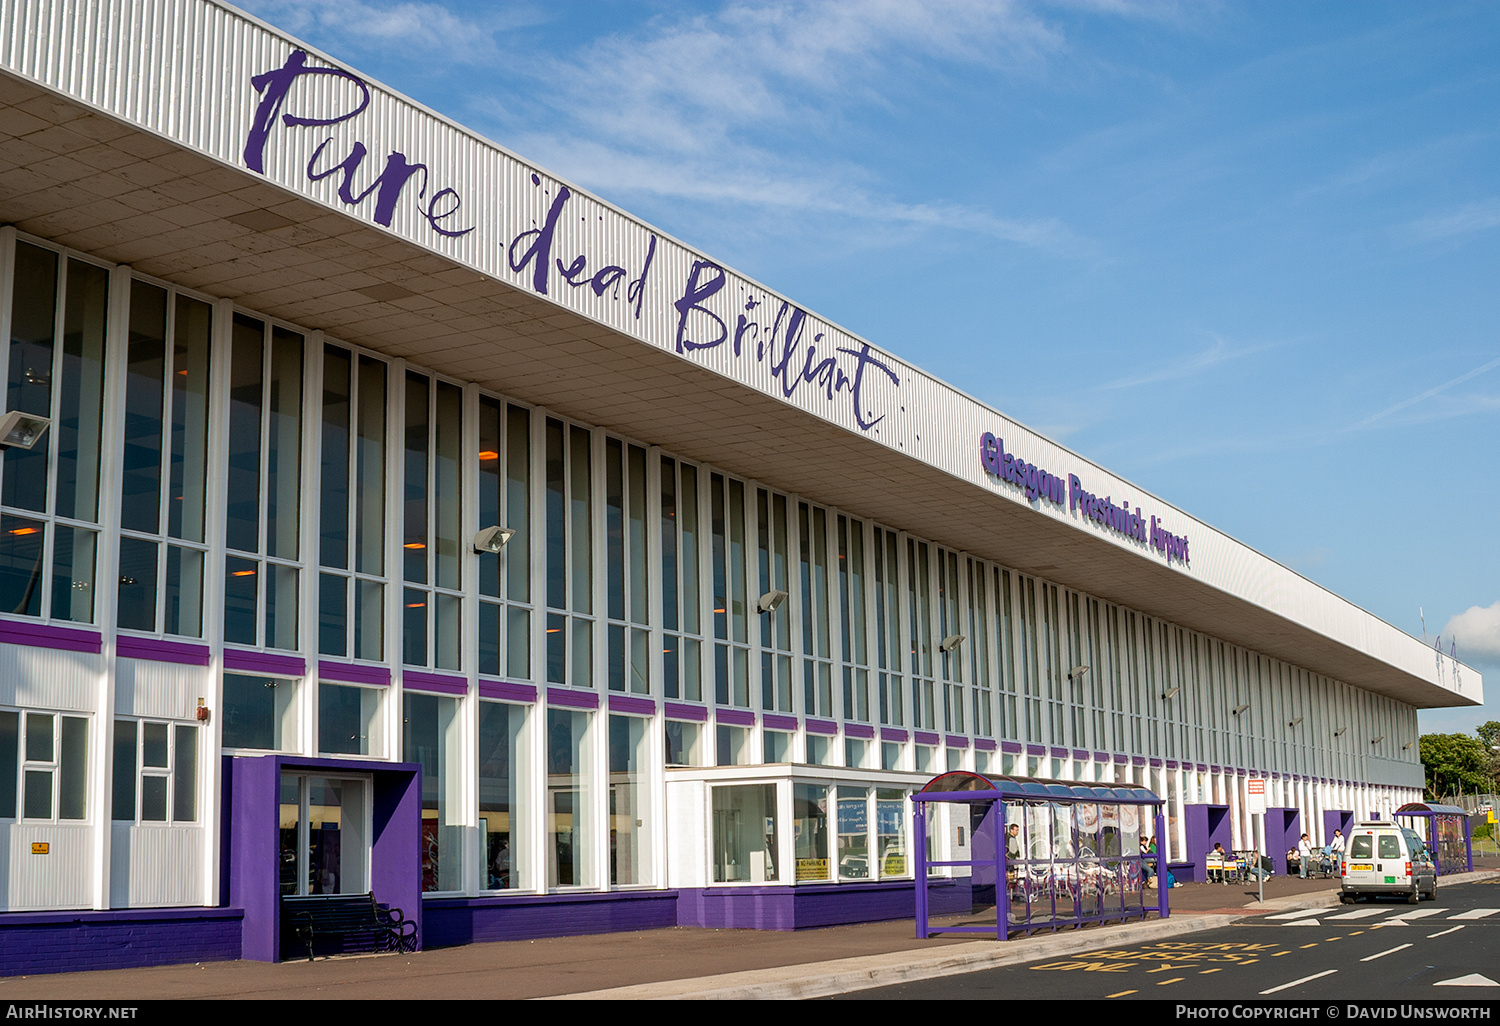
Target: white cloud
(1192, 365)
(1477, 632)
(409, 27)
(1475, 217)
(1430, 393)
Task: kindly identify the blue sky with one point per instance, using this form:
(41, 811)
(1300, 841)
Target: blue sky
(1244, 254)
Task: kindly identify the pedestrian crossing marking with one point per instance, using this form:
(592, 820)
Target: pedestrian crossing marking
(1476, 913)
(1297, 914)
(1359, 913)
(1419, 913)
(1471, 980)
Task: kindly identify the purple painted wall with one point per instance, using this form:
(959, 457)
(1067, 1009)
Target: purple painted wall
(1283, 828)
(58, 942)
(1207, 825)
(252, 840)
(810, 905)
(447, 922)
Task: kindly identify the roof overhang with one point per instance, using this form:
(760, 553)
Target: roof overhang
(107, 187)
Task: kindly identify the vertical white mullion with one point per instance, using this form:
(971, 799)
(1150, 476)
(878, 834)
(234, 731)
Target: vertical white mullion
(473, 860)
(872, 658)
(107, 561)
(536, 723)
(703, 478)
(221, 338)
(395, 600)
(598, 736)
(308, 522)
(164, 459)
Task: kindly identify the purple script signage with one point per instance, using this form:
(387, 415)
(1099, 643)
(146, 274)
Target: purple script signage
(388, 186)
(780, 339)
(1039, 484)
(1042, 485)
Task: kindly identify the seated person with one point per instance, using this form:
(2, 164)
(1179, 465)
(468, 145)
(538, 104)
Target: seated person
(1218, 863)
(1259, 868)
(1293, 862)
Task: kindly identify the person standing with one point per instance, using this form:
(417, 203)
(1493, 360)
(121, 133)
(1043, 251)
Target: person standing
(1304, 856)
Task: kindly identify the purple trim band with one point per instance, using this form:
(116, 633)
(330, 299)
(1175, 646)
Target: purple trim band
(1202, 768)
(1080, 755)
(1124, 759)
(1101, 756)
(572, 699)
(128, 647)
(629, 704)
(862, 731)
(506, 690)
(1012, 748)
(826, 727)
(1138, 760)
(1212, 769)
(983, 744)
(1170, 763)
(735, 717)
(432, 684)
(1155, 762)
(954, 741)
(895, 734)
(1058, 753)
(924, 737)
(264, 662)
(1242, 772)
(1036, 749)
(679, 711)
(38, 635)
(354, 673)
(777, 721)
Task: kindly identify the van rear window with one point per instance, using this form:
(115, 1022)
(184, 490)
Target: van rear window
(1390, 847)
(1361, 847)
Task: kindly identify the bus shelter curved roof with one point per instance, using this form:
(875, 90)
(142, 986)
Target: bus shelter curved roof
(968, 786)
(1430, 808)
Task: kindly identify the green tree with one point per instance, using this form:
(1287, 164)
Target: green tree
(1454, 763)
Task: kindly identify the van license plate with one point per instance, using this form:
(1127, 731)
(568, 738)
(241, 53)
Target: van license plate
(1361, 867)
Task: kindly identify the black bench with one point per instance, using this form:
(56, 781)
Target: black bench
(348, 914)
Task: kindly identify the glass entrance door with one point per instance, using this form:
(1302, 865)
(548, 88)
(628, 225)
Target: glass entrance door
(325, 834)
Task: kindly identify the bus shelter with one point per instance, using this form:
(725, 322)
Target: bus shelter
(1447, 834)
(1042, 854)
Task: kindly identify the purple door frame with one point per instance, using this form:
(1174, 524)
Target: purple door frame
(251, 860)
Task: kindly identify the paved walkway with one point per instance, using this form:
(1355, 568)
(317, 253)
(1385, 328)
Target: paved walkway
(672, 963)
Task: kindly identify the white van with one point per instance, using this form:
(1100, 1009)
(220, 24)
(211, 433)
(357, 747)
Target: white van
(1384, 858)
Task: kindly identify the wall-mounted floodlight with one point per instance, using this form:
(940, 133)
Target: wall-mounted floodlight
(1407, 747)
(1340, 732)
(492, 539)
(952, 642)
(770, 601)
(1377, 740)
(1293, 723)
(22, 430)
(1078, 671)
(1171, 692)
(1239, 709)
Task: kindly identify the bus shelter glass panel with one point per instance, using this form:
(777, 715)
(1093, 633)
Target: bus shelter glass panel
(745, 834)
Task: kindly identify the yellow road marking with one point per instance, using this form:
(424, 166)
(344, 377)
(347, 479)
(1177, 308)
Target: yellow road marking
(1121, 994)
(1356, 933)
(1176, 979)
(1280, 953)
(1312, 945)
(1205, 972)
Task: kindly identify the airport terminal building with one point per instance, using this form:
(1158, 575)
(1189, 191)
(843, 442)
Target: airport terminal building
(379, 512)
